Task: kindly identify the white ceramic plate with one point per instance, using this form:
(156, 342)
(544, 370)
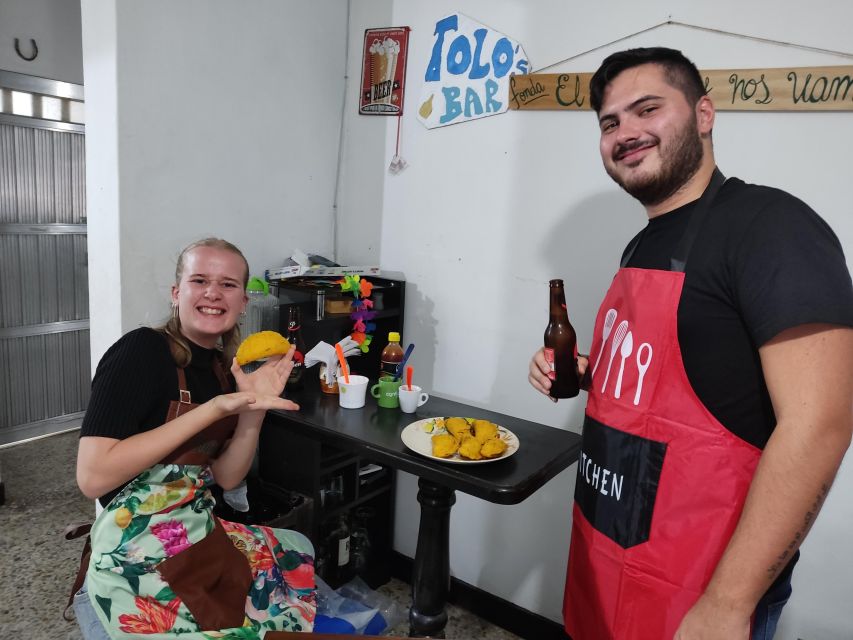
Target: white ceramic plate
(416, 438)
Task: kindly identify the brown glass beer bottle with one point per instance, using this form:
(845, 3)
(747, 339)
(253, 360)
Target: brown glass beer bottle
(561, 347)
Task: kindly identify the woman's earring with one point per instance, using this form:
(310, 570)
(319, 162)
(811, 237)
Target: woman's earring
(174, 311)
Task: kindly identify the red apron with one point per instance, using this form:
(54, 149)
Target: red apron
(661, 483)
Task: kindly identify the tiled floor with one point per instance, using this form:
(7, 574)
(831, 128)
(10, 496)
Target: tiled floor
(37, 564)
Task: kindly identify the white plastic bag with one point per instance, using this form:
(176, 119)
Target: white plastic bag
(357, 589)
(337, 613)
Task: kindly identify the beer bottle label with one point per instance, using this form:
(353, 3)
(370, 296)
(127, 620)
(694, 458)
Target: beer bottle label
(549, 358)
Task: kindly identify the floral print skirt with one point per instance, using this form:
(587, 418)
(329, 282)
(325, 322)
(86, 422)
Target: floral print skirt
(165, 511)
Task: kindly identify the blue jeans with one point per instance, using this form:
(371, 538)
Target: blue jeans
(87, 619)
(769, 610)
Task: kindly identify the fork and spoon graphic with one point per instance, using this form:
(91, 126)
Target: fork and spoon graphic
(623, 344)
(609, 320)
(618, 337)
(642, 367)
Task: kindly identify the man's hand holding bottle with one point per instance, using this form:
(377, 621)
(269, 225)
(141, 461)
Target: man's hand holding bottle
(539, 370)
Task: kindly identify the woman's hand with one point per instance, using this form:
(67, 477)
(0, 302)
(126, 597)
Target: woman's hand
(229, 404)
(269, 379)
(234, 461)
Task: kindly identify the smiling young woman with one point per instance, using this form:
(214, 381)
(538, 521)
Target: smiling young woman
(164, 423)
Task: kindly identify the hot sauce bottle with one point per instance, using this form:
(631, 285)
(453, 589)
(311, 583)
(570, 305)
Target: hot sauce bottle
(391, 356)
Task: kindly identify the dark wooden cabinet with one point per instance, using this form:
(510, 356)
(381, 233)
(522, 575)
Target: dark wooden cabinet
(339, 483)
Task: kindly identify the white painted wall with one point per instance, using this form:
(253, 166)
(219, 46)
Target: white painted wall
(488, 211)
(55, 26)
(206, 118)
(363, 161)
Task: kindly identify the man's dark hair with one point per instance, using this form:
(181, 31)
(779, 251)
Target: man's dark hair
(678, 71)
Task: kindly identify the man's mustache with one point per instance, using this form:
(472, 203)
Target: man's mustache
(625, 148)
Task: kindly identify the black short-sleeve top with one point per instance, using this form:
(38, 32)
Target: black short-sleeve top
(763, 262)
(135, 381)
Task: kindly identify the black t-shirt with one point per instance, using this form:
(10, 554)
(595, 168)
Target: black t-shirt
(135, 381)
(763, 262)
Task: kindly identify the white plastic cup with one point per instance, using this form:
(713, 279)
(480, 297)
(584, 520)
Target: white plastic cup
(411, 398)
(351, 394)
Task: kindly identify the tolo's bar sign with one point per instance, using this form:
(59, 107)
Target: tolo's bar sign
(784, 89)
(468, 73)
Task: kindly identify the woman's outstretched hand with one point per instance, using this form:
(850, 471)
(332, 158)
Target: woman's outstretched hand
(242, 401)
(269, 379)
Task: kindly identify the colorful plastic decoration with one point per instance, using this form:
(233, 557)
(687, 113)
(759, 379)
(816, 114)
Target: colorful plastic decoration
(361, 290)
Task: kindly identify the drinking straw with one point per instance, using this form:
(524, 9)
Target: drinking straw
(401, 367)
(343, 362)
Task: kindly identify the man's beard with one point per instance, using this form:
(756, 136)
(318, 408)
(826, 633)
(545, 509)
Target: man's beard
(680, 160)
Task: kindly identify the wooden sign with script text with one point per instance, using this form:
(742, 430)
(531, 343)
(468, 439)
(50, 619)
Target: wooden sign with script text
(784, 89)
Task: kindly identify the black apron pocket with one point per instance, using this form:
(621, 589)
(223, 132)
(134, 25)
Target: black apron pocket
(212, 578)
(617, 482)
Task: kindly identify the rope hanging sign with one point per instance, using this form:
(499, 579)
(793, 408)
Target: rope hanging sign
(825, 88)
(782, 89)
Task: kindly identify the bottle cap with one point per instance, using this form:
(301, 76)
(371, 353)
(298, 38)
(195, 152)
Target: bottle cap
(393, 337)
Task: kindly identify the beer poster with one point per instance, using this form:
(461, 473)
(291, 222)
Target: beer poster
(383, 71)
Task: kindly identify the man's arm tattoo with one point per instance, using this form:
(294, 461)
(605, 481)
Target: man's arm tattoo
(808, 520)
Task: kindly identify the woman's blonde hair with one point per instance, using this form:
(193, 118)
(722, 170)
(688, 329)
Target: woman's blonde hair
(178, 344)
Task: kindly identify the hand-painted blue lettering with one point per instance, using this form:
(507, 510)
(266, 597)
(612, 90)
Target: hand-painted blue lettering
(522, 65)
(452, 108)
(478, 69)
(459, 56)
(473, 106)
(492, 105)
(433, 72)
(502, 57)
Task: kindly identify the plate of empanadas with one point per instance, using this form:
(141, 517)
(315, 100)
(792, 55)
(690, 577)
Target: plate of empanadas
(460, 440)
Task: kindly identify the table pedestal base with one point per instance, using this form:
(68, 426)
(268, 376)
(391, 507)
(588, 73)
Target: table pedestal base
(431, 574)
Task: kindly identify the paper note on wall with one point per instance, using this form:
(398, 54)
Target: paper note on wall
(467, 75)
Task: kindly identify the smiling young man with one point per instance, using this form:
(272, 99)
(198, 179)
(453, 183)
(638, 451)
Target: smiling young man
(727, 439)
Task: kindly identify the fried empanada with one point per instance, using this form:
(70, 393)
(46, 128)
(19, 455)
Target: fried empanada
(262, 344)
(458, 427)
(493, 448)
(444, 445)
(469, 448)
(485, 430)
